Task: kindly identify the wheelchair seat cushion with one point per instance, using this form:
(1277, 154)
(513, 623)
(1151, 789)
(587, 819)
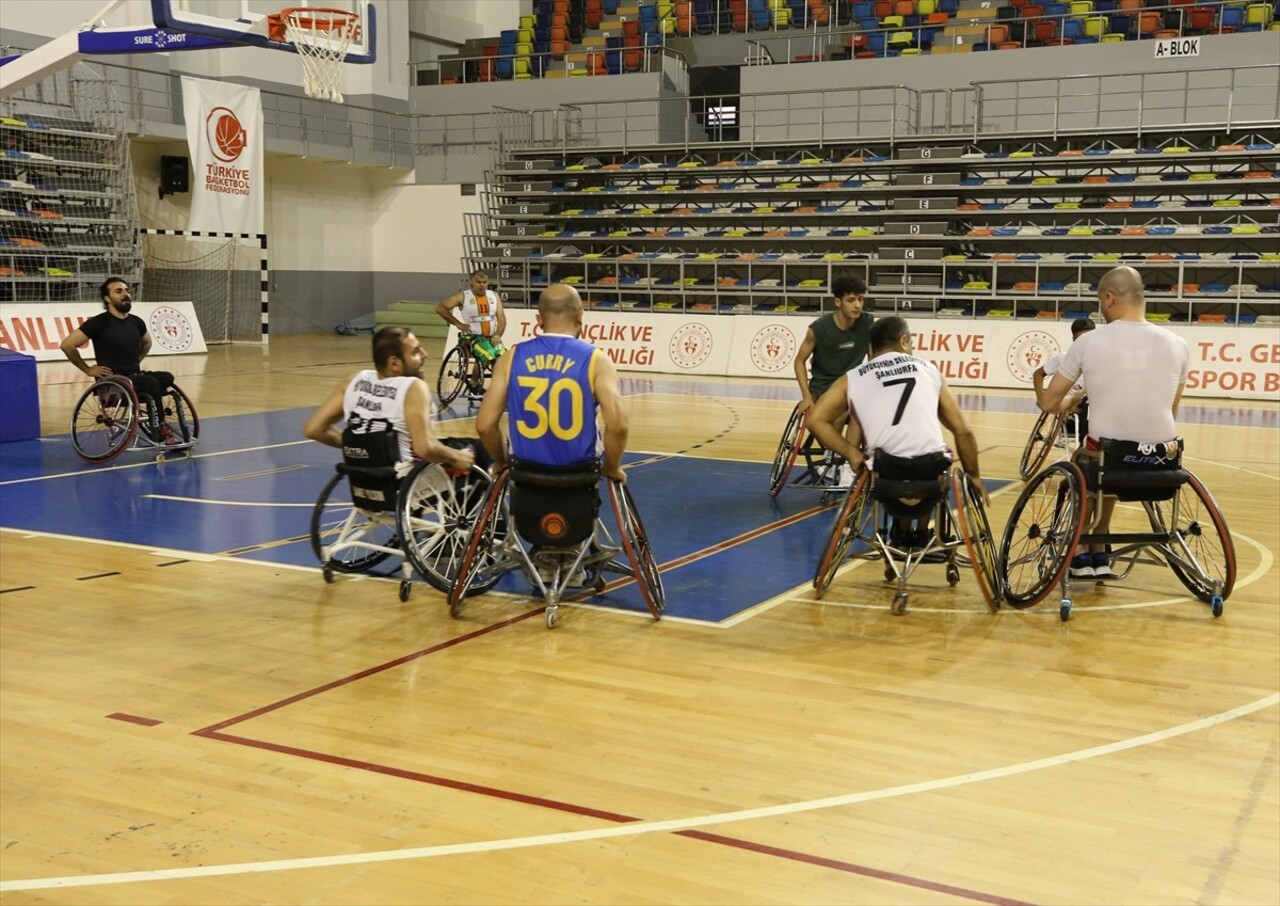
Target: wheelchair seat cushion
(920, 478)
(555, 506)
(1134, 471)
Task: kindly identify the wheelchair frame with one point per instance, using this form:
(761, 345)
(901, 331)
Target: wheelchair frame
(1047, 524)
(865, 518)
(489, 555)
(1050, 430)
(821, 466)
(427, 527)
(107, 420)
(460, 370)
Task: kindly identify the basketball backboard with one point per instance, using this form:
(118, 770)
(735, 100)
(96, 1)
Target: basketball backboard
(246, 22)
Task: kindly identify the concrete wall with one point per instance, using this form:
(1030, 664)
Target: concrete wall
(1017, 86)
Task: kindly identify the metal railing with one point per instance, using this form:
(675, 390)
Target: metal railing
(1233, 98)
(1230, 98)
(293, 123)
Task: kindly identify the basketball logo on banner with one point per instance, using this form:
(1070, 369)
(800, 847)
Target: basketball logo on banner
(225, 135)
(171, 329)
(1029, 351)
(773, 348)
(690, 345)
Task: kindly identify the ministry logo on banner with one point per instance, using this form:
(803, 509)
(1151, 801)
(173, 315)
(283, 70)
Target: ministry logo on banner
(224, 135)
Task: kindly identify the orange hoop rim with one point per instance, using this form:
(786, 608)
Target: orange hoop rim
(319, 18)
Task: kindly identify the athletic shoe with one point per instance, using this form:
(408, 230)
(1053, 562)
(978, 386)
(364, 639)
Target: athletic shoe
(1102, 567)
(1082, 566)
(168, 438)
(845, 479)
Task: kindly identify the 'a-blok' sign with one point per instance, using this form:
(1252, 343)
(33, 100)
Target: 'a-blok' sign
(224, 135)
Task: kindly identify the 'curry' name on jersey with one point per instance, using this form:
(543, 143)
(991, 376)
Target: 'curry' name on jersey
(543, 362)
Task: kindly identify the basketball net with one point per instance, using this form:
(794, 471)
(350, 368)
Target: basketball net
(321, 37)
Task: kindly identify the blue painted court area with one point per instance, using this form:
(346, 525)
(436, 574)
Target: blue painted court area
(245, 495)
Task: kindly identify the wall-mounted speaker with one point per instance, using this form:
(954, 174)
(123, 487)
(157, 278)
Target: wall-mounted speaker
(173, 175)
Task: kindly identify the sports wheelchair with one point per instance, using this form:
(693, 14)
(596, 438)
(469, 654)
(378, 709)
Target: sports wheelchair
(1184, 527)
(899, 510)
(421, 512)
(1051, 430)
(461, 371)
(111, 417)
(545, 522)
(821, 466)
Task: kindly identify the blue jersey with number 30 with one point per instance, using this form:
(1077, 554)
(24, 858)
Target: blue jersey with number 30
(550, 403)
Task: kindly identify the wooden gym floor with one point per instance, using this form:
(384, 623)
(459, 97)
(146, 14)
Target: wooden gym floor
(187, 723)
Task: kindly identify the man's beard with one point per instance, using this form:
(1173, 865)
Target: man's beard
(124, 305)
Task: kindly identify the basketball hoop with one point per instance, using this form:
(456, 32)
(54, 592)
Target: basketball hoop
(321, 36)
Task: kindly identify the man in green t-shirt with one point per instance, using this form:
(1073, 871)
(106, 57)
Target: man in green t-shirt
(836, 342)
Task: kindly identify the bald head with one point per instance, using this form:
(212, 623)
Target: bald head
(1121, 296)
(560, 309)
(1123, 281)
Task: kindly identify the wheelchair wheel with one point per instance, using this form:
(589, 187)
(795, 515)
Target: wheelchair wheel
(847, 527)
(454, 374)
(971, 513)
(1200, 550)
(479, 550)
(1044, 436)
(635, 541)
(105, 420)
(788, 450)
(336, 523)
(1042, 533)
(179, 414)
(436, 511)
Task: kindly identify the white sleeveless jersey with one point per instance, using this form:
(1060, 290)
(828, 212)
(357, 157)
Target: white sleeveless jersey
(481, 315)
(369, 401)
(895, 399)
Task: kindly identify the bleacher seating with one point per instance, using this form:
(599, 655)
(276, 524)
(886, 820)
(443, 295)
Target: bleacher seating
(560, 37)
(1018, 230)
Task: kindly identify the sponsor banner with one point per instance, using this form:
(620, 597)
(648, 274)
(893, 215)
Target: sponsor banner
(38, 329)
(661, 343)
(1234, 361)
(225, 139)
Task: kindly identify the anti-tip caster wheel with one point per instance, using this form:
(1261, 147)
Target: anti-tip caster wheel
(1064, 609)
(327, 572)
(953, 575)
(553, 616)
(889, 575)
(406, 587)
(1216, 604)
(899, 606)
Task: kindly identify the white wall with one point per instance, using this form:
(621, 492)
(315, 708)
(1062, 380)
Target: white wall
(419, 228)
(332, 217)
(457, 20)
(319, 216)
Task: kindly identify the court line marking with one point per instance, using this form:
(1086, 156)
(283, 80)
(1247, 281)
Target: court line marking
(262, 472)
(645, 827)
(151, 462)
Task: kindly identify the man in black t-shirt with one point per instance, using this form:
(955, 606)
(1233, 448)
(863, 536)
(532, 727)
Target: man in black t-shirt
(120, 343)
